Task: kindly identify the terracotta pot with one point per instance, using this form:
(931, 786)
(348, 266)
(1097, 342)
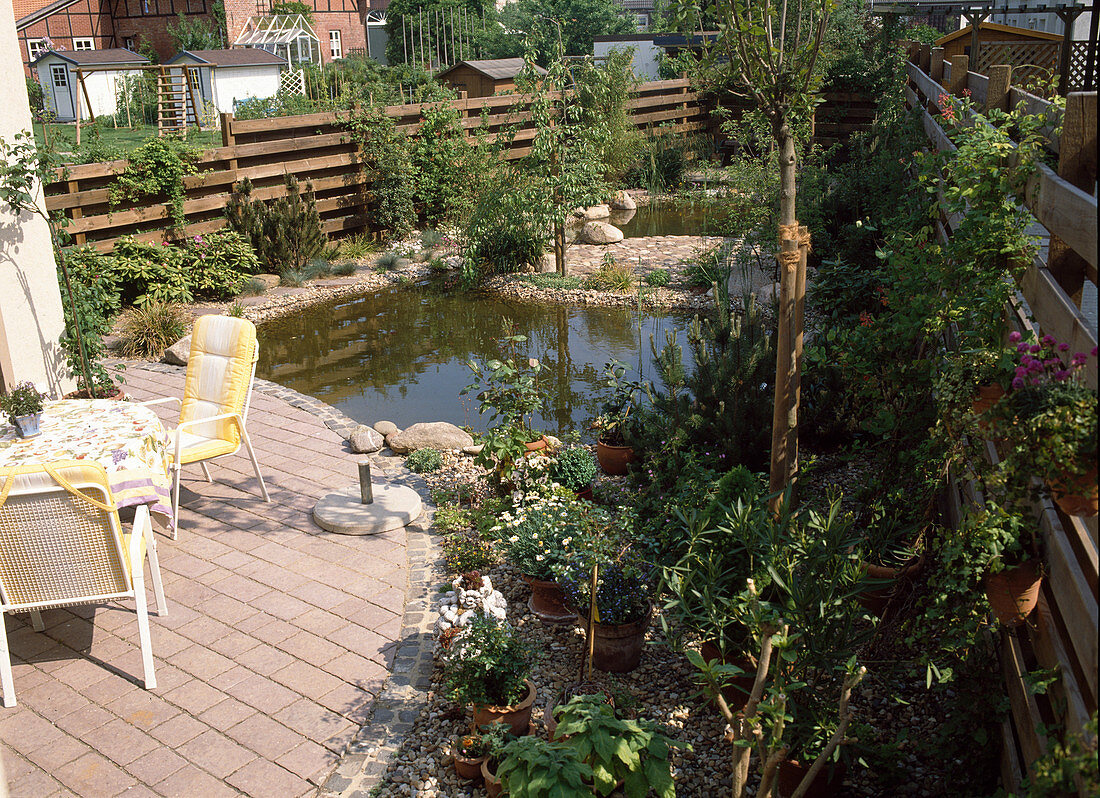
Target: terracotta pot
(737, 691)
(548, 601)
(825, 784)
(618, 647)
(1076, 496)
(585, 493)
(1014, 592)
(467, 768)
(875, 601)
(614, 460)
(517, 716)
(492, 784)
(988, 395)
(537, 446)
(117, 394)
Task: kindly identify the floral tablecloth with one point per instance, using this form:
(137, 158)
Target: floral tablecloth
(127, 439)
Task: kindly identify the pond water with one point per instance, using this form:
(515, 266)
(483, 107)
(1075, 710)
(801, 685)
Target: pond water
(399, 354)
(666, 218)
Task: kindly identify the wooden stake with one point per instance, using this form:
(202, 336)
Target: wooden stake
(591, 619)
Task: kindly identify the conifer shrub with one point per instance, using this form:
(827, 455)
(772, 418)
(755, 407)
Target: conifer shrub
(285, 232)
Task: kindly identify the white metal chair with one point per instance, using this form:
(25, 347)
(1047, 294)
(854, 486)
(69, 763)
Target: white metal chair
(61, 544)
(216, 397)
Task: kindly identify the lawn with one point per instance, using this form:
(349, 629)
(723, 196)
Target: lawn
(63, 136)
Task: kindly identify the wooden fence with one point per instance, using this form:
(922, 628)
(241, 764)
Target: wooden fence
(317, 148)
(1063, 632)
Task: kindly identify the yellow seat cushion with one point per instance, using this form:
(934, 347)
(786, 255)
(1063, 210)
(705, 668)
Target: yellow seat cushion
(219, 370)
(194, 448)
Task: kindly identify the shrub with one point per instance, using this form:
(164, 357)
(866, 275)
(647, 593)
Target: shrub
(157, 167)
(506, 230)
(534, 534)
(465, 551)
(254, 287)
(486, 665)
(293, 278)
(96, 299)
(452, 518)
(440, 159)
(345, 269)
(385, 152)
(574, 468)
(318, 268)
(658, 278)
(356, 247)
(611, 276)
(217, 265)
(662, 164)
(424, 461)
(146, 273)
(148, 331)
(285, 232)
(431, 239)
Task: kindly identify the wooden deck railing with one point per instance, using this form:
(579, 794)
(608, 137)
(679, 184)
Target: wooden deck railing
(317, 148)
(1062, 634)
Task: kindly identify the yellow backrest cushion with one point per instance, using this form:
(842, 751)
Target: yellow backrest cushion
(219, 370)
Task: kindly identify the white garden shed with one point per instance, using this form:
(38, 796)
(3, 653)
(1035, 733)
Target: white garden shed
(224, 77)
(102, 71)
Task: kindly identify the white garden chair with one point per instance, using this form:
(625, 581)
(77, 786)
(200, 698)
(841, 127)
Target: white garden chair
(216, 397)
(61, 544)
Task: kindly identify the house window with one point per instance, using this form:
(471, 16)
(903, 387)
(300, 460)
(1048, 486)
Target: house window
(84, 44)
(334, 46)
(36, 47)
(128, 42)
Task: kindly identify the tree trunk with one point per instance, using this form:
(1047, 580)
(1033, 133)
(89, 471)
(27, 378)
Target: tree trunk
(784, 460)
(559, 247)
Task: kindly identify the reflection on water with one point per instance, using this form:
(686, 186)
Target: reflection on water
(399, 354)
(683, 218)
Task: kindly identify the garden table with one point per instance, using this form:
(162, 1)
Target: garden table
(128, 440)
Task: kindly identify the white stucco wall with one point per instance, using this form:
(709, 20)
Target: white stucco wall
(240, 83)
(30, 302)
(646, 59)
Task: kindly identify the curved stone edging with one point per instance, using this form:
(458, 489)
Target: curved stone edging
(405, 691)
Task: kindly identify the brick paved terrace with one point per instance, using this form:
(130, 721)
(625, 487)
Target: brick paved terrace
(278, 639)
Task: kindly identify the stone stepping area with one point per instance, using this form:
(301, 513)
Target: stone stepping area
(277, 648)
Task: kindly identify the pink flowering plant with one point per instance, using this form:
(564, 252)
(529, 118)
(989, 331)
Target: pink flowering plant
(1047, 423)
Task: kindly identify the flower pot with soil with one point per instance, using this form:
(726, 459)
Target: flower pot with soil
(617, 647)
(517, 716)
(617, 423)
(547, 601)
(489, 775)
(614, 460)
(1075, 494)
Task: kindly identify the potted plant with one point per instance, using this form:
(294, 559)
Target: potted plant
(486, 667)
(973, 380)
(1047, 428)
(507, 389)
(573, 468)
(534, 535)
(474, 748)
(617, 421)
(595, 753)
(23, 404)
(620, 605)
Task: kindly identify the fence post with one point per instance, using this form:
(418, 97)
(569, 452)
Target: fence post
(76, 212)
(925, 58)
(1076, 165)
(228, 139)
(937, 65)
(1000, 84)
(960, 72)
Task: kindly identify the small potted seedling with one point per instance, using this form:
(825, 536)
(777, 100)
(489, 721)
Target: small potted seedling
(23, 404)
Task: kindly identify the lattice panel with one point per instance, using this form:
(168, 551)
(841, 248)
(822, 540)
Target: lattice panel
(292, 81)
(1029, 60)
(1078, 68)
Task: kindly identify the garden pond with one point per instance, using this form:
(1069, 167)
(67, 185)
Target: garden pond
(400, 354)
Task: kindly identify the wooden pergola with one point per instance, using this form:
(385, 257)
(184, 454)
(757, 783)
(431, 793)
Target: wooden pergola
(978, 11)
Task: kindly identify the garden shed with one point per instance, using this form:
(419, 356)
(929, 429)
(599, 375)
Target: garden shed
(484, 78)
(60, 75)
(225, 77)
(1016, 46)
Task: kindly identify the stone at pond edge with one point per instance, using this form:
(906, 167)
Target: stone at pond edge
(434, 435)
(385, 428)
(364, 440)
(597, 212)
(547, 264)
(269, 280)
(601, 233)
(178, 352)
(473, 450)
(622, 202)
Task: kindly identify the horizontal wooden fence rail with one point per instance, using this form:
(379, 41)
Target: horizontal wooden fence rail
(1063, 632)
(318, 148)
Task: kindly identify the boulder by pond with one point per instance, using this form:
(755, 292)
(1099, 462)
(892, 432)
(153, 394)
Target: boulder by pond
(385, 428)
(622, 201)
(429, 435)
(364, 440)
(601, 233)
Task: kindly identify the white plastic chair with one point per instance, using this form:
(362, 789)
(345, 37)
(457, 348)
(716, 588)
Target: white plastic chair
(216, 397)
(61, 544)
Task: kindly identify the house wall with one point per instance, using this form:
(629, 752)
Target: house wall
(239, 83)
(80, 20)
(646, 59)
(148, 20)
(30, 304)
(102, 89)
